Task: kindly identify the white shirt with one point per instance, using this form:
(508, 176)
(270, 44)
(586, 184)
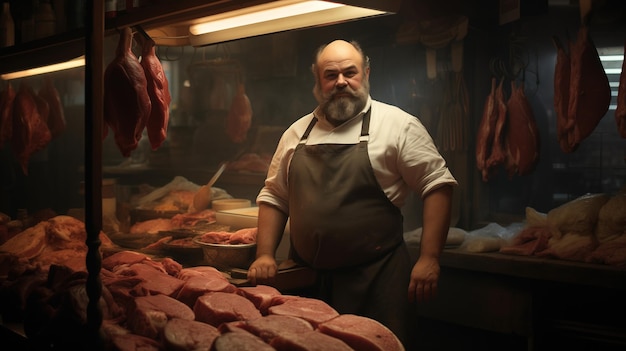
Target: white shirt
(402, 153)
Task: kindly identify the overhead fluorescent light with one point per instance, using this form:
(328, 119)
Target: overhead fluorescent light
(77, 62)
(272, 17)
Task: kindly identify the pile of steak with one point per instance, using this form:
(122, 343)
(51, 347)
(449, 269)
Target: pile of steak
(159, 305)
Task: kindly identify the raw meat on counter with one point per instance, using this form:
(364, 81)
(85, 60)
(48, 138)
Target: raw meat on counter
(590, 228)
(137, 316)
(241, 236)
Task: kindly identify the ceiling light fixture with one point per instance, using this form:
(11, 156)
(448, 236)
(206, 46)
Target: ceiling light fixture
(77, 62)
(272, 17)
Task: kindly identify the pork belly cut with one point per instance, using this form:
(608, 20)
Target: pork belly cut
(240, 340)
(260, 295)
(149, 314)
(183, 334)
(216, 308)
(361, 333)
(312, 310)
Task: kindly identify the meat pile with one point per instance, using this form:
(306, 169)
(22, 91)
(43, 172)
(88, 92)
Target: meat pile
(507, 134)
(29, 120)
(159, 305)
(58, 240)
(136, 95)
(590, 228)
(241, 236)
(582, 94)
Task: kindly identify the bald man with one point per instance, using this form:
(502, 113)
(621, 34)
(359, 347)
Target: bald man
(341, 175)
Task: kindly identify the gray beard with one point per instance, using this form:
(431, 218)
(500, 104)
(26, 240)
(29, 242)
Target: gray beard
(341, 109)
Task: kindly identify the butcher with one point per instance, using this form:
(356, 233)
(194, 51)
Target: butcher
(341, 175)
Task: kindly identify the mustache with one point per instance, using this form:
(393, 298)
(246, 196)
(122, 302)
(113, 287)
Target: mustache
(344, 91)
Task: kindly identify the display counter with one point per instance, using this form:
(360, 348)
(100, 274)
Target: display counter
(538, 303)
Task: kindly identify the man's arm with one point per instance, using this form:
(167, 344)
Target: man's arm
(436, 223)
(271, 226)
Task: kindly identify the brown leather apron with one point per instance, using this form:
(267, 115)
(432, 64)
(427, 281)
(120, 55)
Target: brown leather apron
(343, 225)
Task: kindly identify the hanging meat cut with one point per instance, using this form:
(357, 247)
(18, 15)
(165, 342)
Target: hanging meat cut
(486, 131)
(620, 110)
(587, 92)
(127, 105)
(159, 92)
(6, 114)
(523, 143)
(30, 127)
(56, 118)
(239, 117)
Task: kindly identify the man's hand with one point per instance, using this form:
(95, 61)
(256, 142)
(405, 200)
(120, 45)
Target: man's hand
(262, 270)
(424, 278)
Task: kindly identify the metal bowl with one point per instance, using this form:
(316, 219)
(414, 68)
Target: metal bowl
(226, 257)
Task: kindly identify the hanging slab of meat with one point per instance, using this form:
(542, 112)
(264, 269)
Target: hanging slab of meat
(486, 131)
(564, 123)
(6, 114)
(589, 93)
(56, 117)
(30, 127)
(361, 333)
(490, 131)
(620, 110)
(127, 105)
(522, 134)
(239, 117)
(498, 153)
(159, 92)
